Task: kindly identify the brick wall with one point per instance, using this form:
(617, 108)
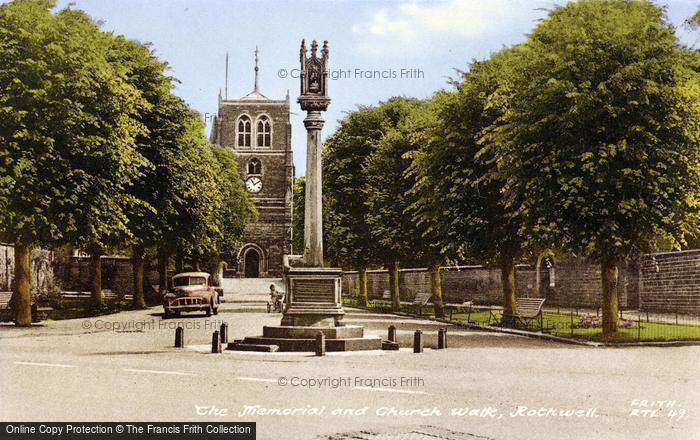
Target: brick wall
(571, 283)
(670, 282)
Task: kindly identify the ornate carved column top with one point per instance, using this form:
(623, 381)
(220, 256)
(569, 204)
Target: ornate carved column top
(314, 78)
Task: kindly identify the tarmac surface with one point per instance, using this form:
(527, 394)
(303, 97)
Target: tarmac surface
(123, 367)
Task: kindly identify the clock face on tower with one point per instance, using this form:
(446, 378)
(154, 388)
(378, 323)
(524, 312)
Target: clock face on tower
(254, 184)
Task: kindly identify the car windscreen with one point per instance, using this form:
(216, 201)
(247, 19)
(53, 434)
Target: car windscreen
(189, 281)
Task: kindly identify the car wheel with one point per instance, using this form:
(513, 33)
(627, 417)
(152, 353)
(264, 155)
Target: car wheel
(209, 309)
(166, 314)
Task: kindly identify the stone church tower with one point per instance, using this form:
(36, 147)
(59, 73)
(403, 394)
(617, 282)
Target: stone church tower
(259, 132)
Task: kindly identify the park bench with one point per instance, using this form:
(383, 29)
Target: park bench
(526, 310)
(459, 307)
(38, 313)
(107, 293)
(421, 299)
(386, 296)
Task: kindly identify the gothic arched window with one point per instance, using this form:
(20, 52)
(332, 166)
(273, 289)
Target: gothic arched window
(254, 166)
(244, 131)
(264, 131)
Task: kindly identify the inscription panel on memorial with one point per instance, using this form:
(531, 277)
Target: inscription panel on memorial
(314, 290)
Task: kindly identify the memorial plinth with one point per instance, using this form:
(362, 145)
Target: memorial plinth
(314, 297)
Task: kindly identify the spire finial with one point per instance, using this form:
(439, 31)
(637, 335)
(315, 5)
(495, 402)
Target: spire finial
(256, 68)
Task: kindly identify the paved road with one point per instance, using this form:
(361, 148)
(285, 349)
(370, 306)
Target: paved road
(78, 370)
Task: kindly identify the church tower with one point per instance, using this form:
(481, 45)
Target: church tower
(257, 129)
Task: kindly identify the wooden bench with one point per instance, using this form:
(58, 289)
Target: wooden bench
(38, 313)
(421, 299)
(459, 307)
(386, 296)
(526, 310)
(106, 293)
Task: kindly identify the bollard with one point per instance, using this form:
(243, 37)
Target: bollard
(320, 344)
(418, 342)
(215, 342)
(224, 333)
(392, 333)
(179, 337)
(442, 338)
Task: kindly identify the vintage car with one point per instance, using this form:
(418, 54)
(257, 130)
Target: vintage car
(190, 292)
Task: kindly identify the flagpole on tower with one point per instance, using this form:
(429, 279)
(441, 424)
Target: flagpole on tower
(226, 81)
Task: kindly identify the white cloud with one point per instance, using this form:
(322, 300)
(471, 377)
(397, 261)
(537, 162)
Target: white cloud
(413, 25)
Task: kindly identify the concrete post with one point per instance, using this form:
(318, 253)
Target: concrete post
(224, 333)
(392, 333)
(418, 342)
(179, 337)
(215, 342)
(320, 344)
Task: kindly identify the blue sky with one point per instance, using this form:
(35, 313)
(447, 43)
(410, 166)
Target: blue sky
(193, 36)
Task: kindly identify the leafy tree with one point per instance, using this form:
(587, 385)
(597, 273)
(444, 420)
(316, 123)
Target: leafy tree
(106, 149)
(387, 191)
(347, 235)
(298, 203)
(434, 245)
(147, 74)
(599, 143)
(466, 193)
(66, 130)
(694, 21)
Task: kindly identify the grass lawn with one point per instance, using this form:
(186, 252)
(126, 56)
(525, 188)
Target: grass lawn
(559, 324)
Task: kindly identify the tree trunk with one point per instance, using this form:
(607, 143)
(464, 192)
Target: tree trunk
(163, 258)
(194, 262)
(179, 262)
(96, 280)
(363, 299)
(436, 290)
(508, 282)
(215, 266)
(21, 299)
(608, 270)
(137, 252)
(394, 286)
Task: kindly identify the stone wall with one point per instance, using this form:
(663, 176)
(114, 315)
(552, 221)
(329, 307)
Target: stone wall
(116, 274)
(670, 282)
(666, 282)
(43, 278)
(54, 272)
(476, 283)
